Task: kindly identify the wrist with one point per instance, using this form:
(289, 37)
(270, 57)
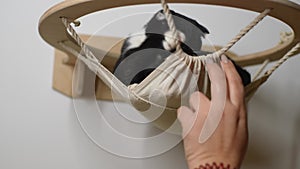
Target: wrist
(215, 165)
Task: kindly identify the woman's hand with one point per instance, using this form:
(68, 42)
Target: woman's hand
(228, 143)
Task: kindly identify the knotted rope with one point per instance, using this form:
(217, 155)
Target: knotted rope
(172, 26)
(242, 33)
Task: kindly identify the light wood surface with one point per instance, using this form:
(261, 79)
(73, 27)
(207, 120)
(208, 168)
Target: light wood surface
(63, 74)
(52, 30)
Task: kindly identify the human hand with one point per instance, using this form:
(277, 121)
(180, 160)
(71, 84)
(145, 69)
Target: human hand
(228, 143)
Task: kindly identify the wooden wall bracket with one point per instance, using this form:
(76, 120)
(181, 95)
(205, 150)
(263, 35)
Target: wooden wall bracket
(64, 67)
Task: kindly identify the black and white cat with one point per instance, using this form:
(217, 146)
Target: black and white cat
(143, 52)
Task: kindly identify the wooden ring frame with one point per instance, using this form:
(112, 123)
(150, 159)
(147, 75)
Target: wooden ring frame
(53, 31)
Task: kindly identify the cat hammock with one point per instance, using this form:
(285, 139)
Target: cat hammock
(160, 91)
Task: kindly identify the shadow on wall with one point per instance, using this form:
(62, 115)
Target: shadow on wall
(296, 144)
(257, 154)
(274, 140)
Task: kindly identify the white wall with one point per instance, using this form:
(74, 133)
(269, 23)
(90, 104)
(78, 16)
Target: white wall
(39, 126)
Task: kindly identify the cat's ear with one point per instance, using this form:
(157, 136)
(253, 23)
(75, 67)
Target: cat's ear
(160, 16)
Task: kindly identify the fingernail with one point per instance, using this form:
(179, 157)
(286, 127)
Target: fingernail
(209, 60)
(224, 59)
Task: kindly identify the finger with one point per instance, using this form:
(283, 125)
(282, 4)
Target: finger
(218, 100)
(243, 113)
(192, 119)
(217, 80)
(234, 82)
(187, 118)
(197, 99)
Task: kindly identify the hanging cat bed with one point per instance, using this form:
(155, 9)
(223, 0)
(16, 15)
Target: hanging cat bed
(173, 81)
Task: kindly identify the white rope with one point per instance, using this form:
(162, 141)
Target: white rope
(290, 53)
(92, 67)
(88, 54)
(261, 69)
(93, 63)
(244, 31)
(172, 26)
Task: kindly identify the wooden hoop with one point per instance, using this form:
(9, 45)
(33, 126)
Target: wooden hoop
(52, 30)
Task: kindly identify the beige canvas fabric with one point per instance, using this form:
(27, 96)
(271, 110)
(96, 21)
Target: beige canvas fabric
(167, 88)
